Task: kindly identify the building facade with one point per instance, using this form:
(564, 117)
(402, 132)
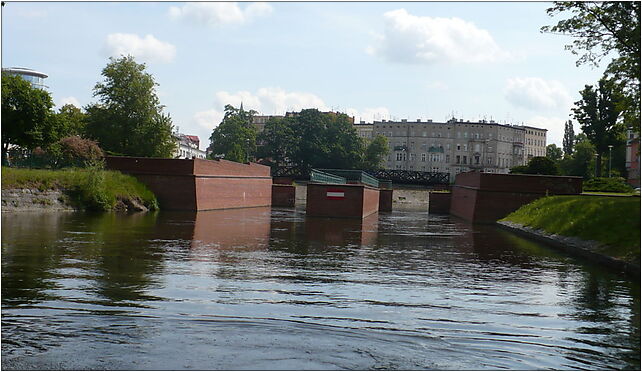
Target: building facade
(187, 147)
(534, 142)
(34, 77)
(455, 146)
(364, 130)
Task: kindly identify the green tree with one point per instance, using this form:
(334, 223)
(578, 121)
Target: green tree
(128, 118)
(235, 138)
(602, 29)
(581, 162)
(553, 152)
(27, 118)
(72, 119)
(537, 165)
(277, 141)
(375, 152)
(569, 138)
(598, 113)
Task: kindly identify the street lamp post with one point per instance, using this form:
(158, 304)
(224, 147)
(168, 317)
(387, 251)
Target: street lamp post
(610, 148)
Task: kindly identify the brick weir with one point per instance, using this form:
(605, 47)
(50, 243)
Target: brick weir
(197, 184)
(341, 200)
(486, 197)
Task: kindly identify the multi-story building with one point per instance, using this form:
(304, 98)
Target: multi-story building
(534, 142)
(455, 146)
(34, 77)
(364, 130)
(187, 147)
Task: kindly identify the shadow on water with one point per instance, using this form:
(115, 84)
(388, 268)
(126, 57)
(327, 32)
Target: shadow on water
(268, 288)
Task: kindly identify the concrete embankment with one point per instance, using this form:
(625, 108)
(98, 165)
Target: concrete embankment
(574, 246)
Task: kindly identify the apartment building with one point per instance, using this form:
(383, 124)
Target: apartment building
(534, 142)
(456, 146)
(187, 147)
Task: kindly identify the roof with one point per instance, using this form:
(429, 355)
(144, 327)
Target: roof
(25, 71)
(192, 138)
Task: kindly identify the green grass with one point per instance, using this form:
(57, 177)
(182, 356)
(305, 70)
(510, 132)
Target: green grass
(614, 222)
(91, 188)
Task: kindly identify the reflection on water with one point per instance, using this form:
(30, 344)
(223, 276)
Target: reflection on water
(274, 289)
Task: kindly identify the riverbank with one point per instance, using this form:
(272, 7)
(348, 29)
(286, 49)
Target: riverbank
(601, 228)
(73, 189)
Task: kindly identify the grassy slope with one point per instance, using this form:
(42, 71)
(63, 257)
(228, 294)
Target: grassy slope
(609, 220)
(90, 187)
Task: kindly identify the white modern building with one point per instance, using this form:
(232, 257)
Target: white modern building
(34, 77)
(187, 147)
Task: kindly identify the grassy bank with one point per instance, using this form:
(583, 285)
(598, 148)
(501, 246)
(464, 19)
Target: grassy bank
(614, 222)
(88, 188)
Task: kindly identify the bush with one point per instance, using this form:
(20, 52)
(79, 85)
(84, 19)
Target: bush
(606, 184)
(74, 151)
(537, 165)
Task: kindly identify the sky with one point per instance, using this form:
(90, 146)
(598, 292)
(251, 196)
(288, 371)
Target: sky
(371, 60)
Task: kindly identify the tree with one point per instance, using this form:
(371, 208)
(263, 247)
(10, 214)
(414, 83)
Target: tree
(27, 118)
(72, 119)
(537, 165)
(553, 152)
(569, 138)
(376, 150)
(598, 113)
(582, 162)
(129, 119)
(235, 138)
(277, 141)
(603, 29)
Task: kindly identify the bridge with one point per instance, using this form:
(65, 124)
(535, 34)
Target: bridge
(397, 176)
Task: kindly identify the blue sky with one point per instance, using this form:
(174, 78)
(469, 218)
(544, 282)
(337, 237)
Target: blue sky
(372, 60)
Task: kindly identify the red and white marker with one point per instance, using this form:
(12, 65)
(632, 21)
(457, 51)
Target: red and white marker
(333, 194)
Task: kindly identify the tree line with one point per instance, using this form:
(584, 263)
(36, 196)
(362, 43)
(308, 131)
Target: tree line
(306, 139)
(127, 119)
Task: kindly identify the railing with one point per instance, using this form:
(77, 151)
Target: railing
(323, 177)
(354, 176)
(397, 176)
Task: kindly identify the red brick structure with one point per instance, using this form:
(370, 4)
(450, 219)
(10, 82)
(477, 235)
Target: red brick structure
(488, 197)
(232, 229)
(385, 200)
(439, 202)
(197, 184)
(283, 195)
(341, 200)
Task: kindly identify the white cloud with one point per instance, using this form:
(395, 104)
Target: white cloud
(537, 94)
(68, 100)
(413, 39)
(148, 48)
(369, 114)
(554, 125)
(437, 85)
(271, 101)
(219, 13)
(209, 119)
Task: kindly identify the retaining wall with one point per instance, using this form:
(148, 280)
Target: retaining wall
(488, 197)
(197, 184)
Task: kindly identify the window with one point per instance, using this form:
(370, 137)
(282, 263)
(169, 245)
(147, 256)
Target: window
(465, 147)
(477, 160)
(423, 157)
(399, 156)
(447, 158)
(458, 159)
(458, 147)
(465, 162)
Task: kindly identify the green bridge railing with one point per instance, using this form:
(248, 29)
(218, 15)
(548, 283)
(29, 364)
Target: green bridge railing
(323, 177)
(353, 176)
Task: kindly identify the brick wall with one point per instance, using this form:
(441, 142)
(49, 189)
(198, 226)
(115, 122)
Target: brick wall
(358, 201)
(283, 195)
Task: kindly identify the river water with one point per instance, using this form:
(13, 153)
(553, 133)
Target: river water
(271, 289)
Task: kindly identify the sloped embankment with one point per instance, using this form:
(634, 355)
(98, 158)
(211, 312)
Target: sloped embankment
(604, 229)
(73, 189)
